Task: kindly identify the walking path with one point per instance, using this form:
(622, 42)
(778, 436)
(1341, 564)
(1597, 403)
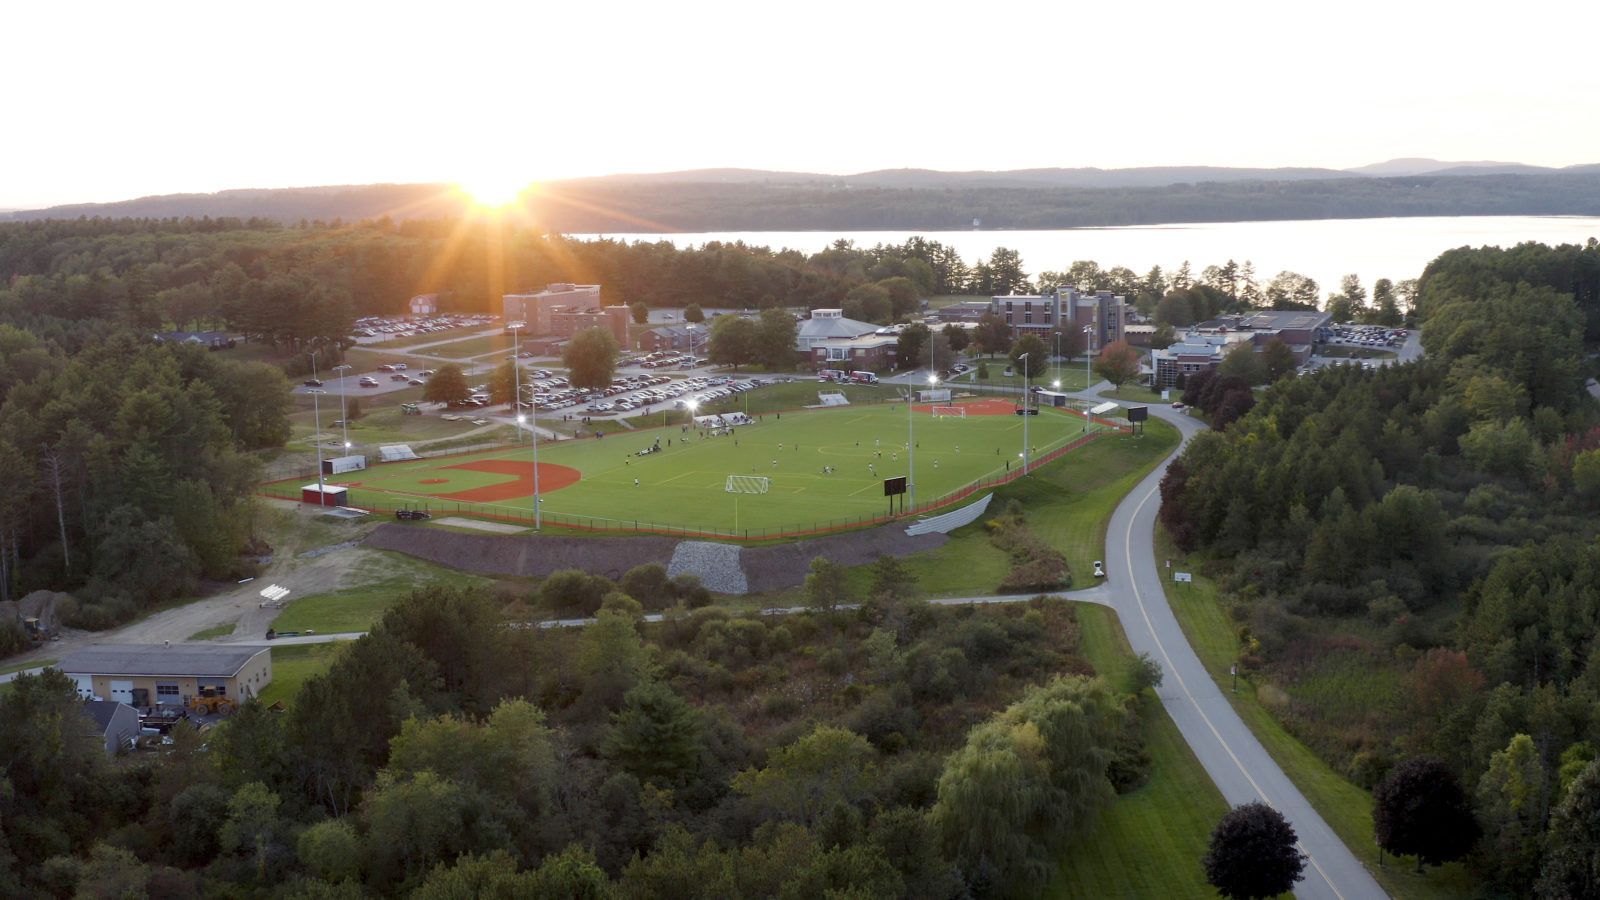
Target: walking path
(1237, 763)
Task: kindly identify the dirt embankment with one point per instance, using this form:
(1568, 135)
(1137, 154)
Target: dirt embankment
(766, 568)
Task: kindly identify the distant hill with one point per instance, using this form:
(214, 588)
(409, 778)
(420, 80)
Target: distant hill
(903, 199)
(1419, 166)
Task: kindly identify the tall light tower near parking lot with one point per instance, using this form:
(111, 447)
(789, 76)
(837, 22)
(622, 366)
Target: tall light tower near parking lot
(316, 438)
(344, 413)
(533, 410)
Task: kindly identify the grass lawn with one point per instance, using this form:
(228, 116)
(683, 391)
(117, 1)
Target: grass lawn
(1149, 843)
(293, 664)
(385, 578)
(683, 486)
(1067, 502)
(222, 630)
(1071, 376)
(1346, 807)
(18, 667)
(473, 346)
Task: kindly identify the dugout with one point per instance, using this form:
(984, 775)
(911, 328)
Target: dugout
(1051, 398)
(325, 495)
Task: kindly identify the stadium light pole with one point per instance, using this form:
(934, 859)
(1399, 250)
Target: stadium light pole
(516, 374)
(344, 413)
(1088, 376)
(1024, 360)
(316, 438)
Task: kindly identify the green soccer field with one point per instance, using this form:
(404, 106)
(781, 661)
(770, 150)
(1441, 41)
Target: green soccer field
(824, 468)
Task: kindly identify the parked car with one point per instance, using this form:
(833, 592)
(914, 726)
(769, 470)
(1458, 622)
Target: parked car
(368, 381)
(312, 382)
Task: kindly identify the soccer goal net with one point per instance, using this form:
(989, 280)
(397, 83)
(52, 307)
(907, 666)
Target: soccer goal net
(956, 411)
(748, 484)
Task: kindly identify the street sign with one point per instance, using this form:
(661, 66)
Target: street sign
(1181, 576)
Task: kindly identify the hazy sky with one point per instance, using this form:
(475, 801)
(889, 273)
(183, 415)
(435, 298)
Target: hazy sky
(108, 101)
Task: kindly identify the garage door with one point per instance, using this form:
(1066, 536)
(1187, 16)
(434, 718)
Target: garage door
(121, 690)
(85, 685)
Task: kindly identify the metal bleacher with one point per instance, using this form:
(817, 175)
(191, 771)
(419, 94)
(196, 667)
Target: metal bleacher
(950, 521)
(397, 452)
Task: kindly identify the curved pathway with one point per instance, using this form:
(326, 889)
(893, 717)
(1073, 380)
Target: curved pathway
(1237, 763)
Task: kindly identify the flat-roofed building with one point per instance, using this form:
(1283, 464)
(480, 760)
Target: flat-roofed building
(144, 675)
(1103, 313)
(535, 308)
(868, 353)
(1205, 345)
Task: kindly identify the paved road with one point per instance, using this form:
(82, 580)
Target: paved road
(1231, 755)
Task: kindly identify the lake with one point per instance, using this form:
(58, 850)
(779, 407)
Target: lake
(1324, 249)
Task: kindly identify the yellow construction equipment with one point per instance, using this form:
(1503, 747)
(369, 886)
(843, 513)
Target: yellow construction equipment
(210, 702)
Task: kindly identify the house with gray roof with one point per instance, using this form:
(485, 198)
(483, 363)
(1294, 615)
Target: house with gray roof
(117, 723)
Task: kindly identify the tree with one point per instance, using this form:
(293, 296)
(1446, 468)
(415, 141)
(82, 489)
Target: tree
(1420, 809)
(1513, 804)
(827, 586)
(656, 735)
(640, 312)
(806, 778)
(1118, 363)
(1165, 336)
(775, 336)
(447, 385)
(1291, 290)
(1572, 857)
(1253, 855)
(1032, 346)
(957, 336)
(692, 313)
(590, 358)
(733, 341)
(502, 384)
(1383, 300)
(1005, 272)
(869, 302)
(992, 335)
(1278, 360)
(891, 580)
(911, 345)
(1030, 780)
(1243, 362)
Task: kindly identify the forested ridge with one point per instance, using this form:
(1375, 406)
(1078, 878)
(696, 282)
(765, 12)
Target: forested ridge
(713, 201)
(1409, 557)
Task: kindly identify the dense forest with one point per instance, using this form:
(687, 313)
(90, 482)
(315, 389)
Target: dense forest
(898, 750)
(1409, 556)
(935, 201)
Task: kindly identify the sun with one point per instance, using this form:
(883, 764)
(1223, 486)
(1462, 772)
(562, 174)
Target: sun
(494, 191)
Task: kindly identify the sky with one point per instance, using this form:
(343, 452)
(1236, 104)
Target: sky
(111, 101)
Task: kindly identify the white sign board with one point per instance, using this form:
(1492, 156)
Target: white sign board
(1181, 576)
(341, 464)
(934, 395)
